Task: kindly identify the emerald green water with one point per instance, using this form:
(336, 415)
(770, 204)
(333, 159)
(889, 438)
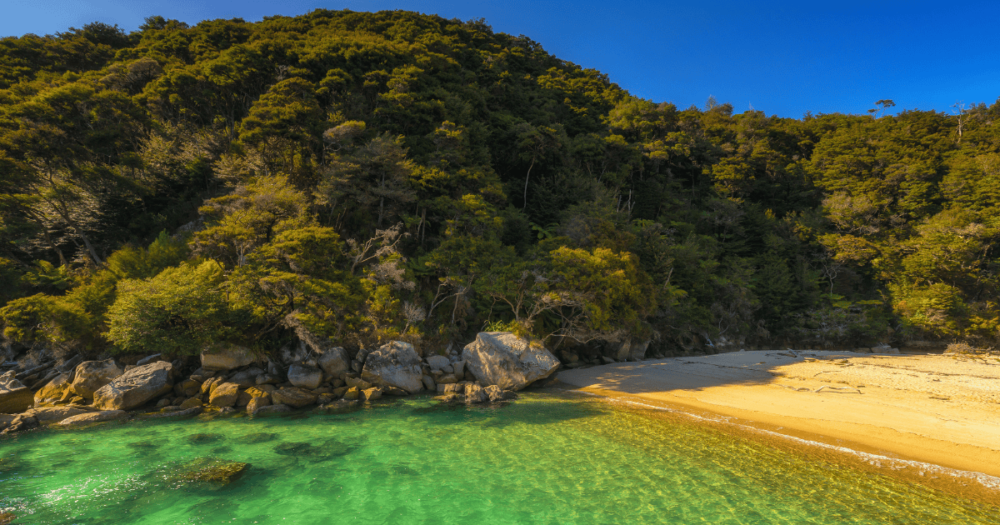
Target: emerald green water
(547, 458)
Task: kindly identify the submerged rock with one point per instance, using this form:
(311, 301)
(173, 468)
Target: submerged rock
(135, 387)
(92, 375)
(14, 396)
(395, 364)
(214, 471)
(508, 361)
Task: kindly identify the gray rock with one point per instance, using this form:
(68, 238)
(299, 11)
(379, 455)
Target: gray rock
(475, 393)
(293, 396)
(49, 415)
(93, 417)
(429, 383)
(21, 423)
(447, 379)
(437, 362)
(246, 378)
(136, 387)
(334, 362)
(268, 379)
(304, 376)
(494, 393)
(271, 409)
(92, 375)
(395, 364)
(458, 368)
(14, 396)
(147, 360)
(508, 361)
(630, 350)
(453, 388)
(227, 358)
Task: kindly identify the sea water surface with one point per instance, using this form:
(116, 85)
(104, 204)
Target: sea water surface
(547, 458)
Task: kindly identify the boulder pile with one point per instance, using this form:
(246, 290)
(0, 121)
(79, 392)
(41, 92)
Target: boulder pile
(75, 392)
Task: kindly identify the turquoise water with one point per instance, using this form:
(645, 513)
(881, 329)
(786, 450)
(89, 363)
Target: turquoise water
(548, 458)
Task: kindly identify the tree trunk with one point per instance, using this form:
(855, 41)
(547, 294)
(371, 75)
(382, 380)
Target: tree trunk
(526, 179)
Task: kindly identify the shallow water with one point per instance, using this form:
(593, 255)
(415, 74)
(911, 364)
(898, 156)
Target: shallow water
(547, 458)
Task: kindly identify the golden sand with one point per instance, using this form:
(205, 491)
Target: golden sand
(895, 413)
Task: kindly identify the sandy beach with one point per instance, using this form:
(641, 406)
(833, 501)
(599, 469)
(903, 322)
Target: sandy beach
(943, 410)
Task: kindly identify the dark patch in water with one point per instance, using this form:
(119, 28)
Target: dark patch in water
(142, 446)
(259, 437)
(404, 470)
(199, 439)
(225, 449)
(325, 450)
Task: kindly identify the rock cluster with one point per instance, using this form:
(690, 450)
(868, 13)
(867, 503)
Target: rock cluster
(77, 393)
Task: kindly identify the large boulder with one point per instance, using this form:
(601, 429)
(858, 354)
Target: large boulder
(92, 375)
(395, 364)
(92, 417)
(55, 389)
(305, 376)
(136, 387)
(227, 358)
(334, 362)
(507, 361)
(14, 396)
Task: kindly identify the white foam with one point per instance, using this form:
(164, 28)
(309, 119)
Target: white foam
(990, 482)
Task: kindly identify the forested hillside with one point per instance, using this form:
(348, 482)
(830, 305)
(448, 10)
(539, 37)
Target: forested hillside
(349, 178)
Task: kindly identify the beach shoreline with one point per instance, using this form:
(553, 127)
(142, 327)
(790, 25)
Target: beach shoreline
(932, 419)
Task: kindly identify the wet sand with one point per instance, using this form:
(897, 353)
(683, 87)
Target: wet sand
(941, 410)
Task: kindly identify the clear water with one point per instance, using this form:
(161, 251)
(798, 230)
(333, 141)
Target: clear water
(548, 458)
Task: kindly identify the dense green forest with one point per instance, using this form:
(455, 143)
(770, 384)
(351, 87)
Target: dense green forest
(348, 178)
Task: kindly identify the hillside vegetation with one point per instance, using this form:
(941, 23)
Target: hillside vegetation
(350, 178)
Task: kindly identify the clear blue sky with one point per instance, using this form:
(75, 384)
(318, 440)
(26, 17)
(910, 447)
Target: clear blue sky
(782, 57)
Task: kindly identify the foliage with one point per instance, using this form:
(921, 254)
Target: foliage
(348, 178)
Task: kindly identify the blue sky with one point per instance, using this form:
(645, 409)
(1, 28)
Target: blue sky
(782, 57)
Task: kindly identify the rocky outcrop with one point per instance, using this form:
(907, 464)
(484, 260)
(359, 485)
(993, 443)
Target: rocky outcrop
(14, 396)
(92, 375)
(92, 417)
(55, 390)
(507, 361)
(395, 364)
(49, 415)
(334, 362)
(630, 350)
(136, 387)
(305, 376)
(227, 358)
(296, 397)
(224, 395)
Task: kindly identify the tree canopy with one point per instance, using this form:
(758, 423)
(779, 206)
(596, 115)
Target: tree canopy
(348, 178)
